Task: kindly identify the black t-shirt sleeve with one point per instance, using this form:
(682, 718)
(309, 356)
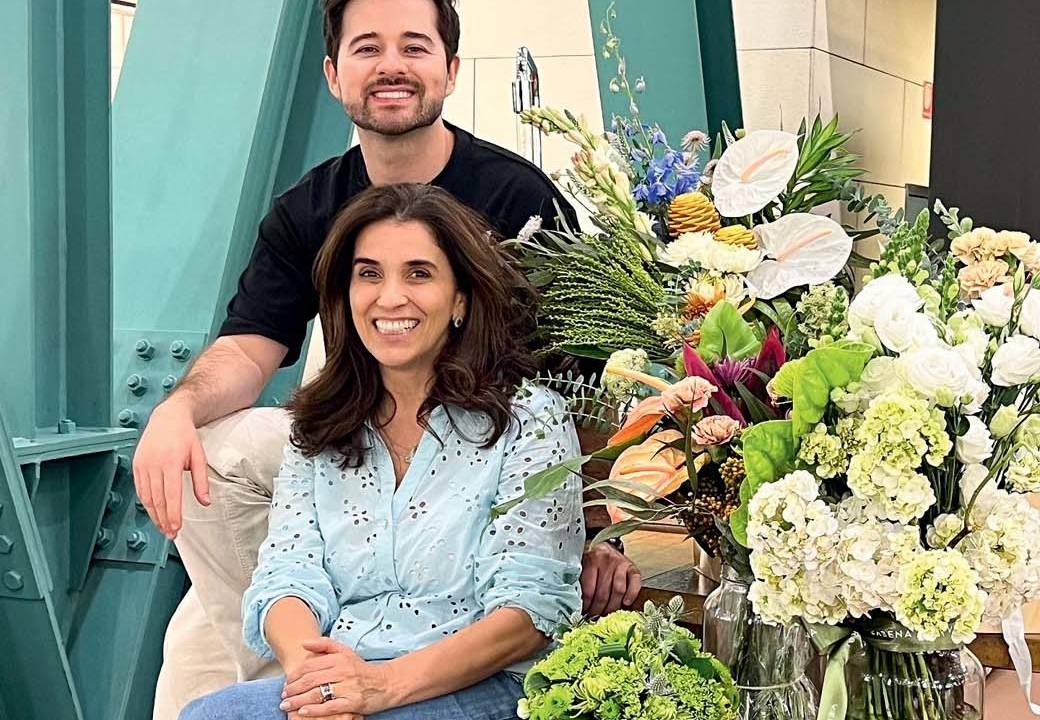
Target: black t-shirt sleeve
(275, 297)
(530, 195)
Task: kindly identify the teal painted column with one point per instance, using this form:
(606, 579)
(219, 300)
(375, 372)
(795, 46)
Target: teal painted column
(219, 107)
(679, 47)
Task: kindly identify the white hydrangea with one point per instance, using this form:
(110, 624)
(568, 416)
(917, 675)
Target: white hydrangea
(793, 534)
(869, 554)
(1023, 472)
(900, 496)
(1002, 547)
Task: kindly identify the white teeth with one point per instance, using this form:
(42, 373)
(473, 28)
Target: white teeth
(395, 95)
(395, 327)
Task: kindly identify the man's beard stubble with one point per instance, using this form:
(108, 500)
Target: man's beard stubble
(425, 115)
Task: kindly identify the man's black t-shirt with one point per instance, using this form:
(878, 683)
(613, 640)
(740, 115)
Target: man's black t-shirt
(276, 297)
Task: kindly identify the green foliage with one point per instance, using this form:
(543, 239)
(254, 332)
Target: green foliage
(769, 454)
(724, 333)
(952, 220)
(824, 167)
(906, 252)
(808, 381)
(598, 291)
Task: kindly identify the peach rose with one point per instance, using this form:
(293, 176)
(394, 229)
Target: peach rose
(714, 430)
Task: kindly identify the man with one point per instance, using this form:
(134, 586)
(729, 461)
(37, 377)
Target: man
(391, 63)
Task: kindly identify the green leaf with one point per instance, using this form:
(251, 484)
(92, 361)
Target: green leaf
(769, 453)
(759, 411)
(535, 683)
(724, 333)
(819, 372)
(616, 530)
(542, 483)
(587, 351)
(689, 654)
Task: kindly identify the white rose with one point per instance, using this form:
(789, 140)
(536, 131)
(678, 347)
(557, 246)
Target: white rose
(886, 291)
(995, 304)
(971, 477)
(901, 329)
(1016, 361)
(939, 373)
(1029, 320)
(976, 444)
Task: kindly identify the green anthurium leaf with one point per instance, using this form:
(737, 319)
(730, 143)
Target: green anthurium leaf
(770, 452)
(724, 333)
(542, 483)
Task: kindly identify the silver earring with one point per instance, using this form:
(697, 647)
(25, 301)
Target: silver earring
(457, 322)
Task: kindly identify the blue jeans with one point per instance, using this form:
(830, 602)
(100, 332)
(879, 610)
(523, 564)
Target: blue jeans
(492, 699)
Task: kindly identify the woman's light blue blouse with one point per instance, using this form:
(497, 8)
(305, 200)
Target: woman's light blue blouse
(387, 572)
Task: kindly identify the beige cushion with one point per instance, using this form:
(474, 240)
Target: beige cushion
(247, 444)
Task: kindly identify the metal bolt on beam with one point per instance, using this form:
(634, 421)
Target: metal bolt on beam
(180, 350)
(137, 384)
(168, 383)
(144, 349)
(6, 545)
(13, 580)
(114, 500)
(66, 426)
(127, 417)
(137, 540)
(104, 537)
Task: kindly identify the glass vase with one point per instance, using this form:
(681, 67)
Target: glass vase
(768, 662)
(940, 685)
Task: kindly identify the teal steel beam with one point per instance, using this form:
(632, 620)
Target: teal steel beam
(240, 114)
(684, 50)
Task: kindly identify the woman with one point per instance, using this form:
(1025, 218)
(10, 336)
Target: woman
(383, 588)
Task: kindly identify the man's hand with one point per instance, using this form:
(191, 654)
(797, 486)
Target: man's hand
(609, 580)
(360, 687)
(169, 446)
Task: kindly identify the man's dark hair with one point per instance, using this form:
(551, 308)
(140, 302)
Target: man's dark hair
(447, 26)
(480, 367)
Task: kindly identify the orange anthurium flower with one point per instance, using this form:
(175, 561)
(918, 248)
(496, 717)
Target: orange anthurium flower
(639, 420)
(658, 470)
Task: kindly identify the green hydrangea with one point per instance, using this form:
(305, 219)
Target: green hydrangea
(701, 698)
(824, 452)
(621, 387)
(1023, 472)
(823, 314)
(939, 595)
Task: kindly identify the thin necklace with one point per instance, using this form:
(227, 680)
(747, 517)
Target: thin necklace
(396, 449)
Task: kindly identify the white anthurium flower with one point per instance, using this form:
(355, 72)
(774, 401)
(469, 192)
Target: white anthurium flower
(800, 249)
(753, 171)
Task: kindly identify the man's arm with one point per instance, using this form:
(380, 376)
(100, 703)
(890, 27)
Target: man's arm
(227, 377)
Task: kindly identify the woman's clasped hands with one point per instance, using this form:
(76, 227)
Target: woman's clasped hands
(358, 688)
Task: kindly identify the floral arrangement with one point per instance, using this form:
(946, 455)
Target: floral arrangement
(629, 665)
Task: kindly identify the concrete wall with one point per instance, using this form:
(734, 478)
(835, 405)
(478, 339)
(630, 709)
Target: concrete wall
(866, 60)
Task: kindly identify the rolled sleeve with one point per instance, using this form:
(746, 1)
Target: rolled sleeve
(530, 557)
(291, 562)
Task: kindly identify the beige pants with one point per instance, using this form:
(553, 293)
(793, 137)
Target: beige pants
(203, 650)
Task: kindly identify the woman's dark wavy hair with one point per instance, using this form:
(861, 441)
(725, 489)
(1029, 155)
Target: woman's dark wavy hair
(481, 365)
